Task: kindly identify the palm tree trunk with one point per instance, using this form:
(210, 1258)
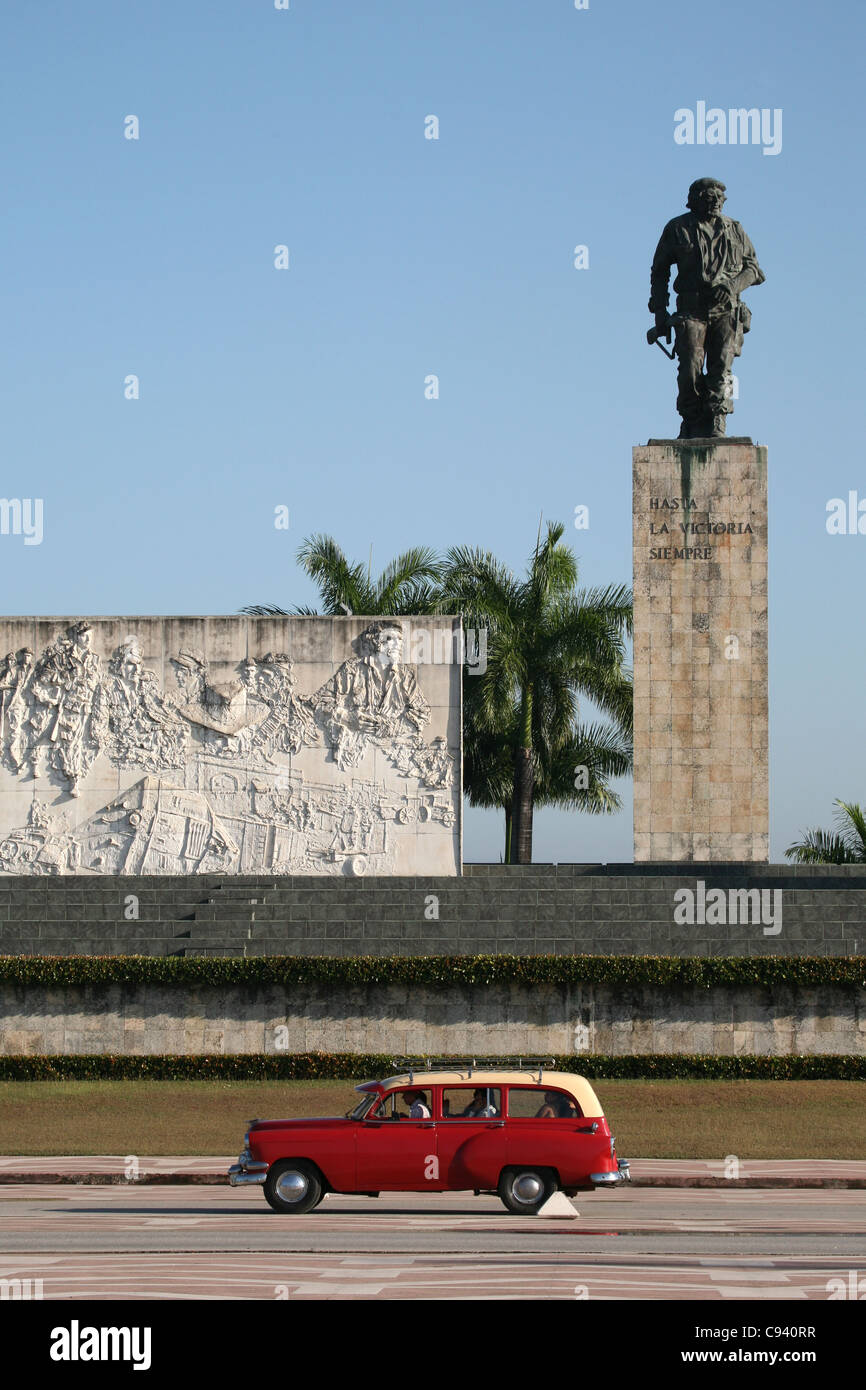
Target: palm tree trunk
(524, 779)
(507, 810)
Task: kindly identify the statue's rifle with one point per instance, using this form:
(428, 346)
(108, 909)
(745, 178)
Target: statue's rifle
(655, 334)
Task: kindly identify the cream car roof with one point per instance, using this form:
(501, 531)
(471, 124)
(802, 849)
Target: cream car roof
(576, 1086)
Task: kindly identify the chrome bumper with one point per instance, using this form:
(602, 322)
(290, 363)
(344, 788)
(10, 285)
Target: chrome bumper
(623, 1174)
(245, 1172)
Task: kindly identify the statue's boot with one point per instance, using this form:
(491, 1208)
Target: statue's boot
(703, 427)
(694, 427)
(718, 425)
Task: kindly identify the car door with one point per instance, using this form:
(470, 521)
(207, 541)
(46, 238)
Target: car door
(537, 1138)
(395, 1153)
(470, 1137)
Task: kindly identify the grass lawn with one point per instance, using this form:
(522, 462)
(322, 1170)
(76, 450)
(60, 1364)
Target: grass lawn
(651, 1119)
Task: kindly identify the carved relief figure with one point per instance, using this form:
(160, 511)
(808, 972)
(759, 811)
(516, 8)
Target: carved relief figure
(289, 724)
(15, 676)
(69, 710)
(372, 697)
(144, 729)
(200, 702)
(434, 765)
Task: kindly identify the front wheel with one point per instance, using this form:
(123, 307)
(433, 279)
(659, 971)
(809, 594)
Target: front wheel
(293, 1186)
(525, 1190)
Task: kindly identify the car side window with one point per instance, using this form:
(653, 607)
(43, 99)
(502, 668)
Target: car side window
(471, 1102)
(541, 1103)
(411, 1104)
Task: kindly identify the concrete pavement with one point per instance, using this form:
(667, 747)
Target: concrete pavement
(209, 1242)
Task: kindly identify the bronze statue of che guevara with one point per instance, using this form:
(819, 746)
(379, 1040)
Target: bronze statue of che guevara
(715, 262)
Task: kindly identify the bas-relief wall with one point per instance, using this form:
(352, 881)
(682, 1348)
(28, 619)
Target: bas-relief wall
(230, 745)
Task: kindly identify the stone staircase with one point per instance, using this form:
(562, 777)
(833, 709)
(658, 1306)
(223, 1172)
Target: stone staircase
(493, 908)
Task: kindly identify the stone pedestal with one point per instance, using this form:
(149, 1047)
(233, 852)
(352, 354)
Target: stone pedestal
(700, 651)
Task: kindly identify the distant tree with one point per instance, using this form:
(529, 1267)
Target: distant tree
(547, 644)
(572, 776)
(845, 845)
(408, 585)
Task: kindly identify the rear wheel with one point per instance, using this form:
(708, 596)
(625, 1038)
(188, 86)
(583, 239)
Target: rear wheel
(293, 1186)
(525, 1190)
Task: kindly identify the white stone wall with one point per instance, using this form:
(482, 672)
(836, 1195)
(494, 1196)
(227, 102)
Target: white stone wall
(230, 745)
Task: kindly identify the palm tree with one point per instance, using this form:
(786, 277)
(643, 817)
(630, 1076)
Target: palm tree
(573, 777)
(597, 752)
(407, 586)
(547, 643)
(846, 845)
(488, 762)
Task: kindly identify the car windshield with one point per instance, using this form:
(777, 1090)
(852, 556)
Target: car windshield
(363, 1106)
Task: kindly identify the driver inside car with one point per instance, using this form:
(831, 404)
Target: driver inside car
(417, 1102)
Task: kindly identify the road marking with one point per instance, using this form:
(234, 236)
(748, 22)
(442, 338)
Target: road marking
(734, 1262)
(328, 1290)
(749, 1291)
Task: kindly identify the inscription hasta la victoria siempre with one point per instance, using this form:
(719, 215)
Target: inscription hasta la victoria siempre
(676, 529)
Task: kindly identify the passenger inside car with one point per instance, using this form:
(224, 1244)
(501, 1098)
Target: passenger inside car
(481, 1106)
(556, 1107)
(471, 1103)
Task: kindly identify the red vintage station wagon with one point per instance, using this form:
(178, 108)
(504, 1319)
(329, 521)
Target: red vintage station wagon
(523, 1134)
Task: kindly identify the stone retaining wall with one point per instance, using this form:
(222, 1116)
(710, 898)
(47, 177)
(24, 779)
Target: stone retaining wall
(496, 1020)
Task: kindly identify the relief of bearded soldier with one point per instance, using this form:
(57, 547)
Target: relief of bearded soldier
(144, 729)
(289, 723)
(372, 696)
(69, 709)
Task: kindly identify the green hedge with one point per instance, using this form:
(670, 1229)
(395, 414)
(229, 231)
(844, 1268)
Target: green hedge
(361, 1067)
(442, 972)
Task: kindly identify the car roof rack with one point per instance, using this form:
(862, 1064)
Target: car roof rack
(468, 1064)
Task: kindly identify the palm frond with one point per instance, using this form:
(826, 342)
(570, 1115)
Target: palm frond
(852, 827)
(821, 847)
(341, 584)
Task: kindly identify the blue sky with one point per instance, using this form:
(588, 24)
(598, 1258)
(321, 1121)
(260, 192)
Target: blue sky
(409, 256)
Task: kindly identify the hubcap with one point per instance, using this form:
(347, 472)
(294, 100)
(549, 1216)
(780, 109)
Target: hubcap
(292, 1186)
(528, 1187)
